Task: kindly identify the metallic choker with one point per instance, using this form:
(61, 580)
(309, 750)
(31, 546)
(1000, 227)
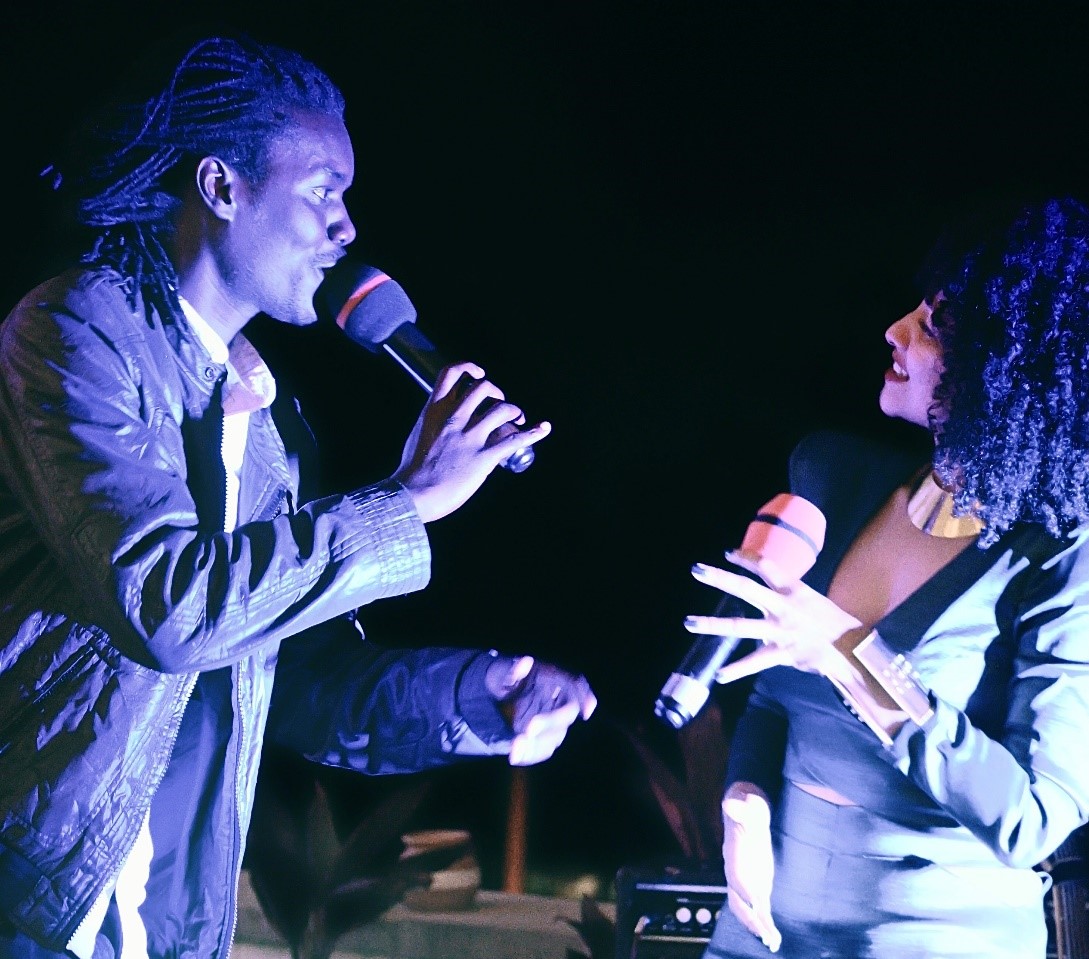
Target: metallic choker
(930, 509)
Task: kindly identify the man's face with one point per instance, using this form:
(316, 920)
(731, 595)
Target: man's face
(293, 225)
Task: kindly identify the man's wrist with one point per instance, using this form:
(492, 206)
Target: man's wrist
(477, 703)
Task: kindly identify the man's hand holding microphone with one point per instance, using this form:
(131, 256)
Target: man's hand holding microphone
(465, 429)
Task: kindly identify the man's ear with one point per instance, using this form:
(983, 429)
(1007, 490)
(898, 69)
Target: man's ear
(218, 185)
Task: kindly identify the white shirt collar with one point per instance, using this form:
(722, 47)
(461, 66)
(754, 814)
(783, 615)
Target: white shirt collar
(250, 385)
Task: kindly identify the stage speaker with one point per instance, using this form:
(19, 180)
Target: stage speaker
(666, 912)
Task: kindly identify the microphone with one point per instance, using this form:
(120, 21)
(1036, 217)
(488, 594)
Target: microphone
(376, 313)
(788, 530)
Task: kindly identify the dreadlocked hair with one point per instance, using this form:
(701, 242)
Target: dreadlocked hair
(1011, 412)
(226, 97)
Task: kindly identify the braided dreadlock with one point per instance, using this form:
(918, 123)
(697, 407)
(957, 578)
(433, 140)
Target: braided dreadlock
(1011, 414)
(226, 97)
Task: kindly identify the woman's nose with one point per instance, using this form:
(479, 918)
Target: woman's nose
(895, 334)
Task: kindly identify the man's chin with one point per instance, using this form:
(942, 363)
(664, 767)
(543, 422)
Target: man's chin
(299, 316)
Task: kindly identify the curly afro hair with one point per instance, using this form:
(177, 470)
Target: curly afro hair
(1011, 412)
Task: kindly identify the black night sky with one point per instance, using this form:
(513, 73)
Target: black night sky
(677, 230)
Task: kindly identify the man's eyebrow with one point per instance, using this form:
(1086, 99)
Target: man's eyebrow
(320, 166)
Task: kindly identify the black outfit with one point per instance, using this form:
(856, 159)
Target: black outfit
(952, 818)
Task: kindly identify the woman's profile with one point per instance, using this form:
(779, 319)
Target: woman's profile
(914, 743)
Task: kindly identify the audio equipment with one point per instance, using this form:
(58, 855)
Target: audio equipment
(667, 912)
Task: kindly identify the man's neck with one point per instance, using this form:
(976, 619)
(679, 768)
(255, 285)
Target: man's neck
(203, 287)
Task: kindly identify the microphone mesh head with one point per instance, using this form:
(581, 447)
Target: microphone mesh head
(365, 302)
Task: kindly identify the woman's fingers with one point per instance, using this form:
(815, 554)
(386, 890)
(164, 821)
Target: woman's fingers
(756, 917)
(738, 627)
(767, 569)
(763, 658)
(767, 600)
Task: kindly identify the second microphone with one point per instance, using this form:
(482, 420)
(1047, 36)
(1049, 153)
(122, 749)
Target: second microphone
(789, 530)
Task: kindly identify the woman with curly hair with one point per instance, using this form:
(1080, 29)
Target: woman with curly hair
(949, 613)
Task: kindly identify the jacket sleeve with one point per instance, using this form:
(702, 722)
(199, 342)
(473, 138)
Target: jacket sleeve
(1025, 790)
(341, 700)
(105, 485)
(758, 746)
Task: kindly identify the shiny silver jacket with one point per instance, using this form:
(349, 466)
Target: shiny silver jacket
(133, 628)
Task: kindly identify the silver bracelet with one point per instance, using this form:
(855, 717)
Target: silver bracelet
(895, 674)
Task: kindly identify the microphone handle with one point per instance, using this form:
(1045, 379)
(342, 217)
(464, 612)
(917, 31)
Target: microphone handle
(419, 358)
(706, 656)
(689, 686)
(416, 355)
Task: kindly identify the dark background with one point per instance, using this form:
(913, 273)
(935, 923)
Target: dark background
(676, 230)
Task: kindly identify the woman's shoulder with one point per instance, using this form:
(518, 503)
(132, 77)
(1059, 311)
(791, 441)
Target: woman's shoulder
(831, 462)
(826, 444)
(842, 448)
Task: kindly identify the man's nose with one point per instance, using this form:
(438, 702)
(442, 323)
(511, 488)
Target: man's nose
(342, 230)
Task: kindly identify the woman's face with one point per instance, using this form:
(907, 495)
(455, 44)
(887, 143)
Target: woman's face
(908, 391)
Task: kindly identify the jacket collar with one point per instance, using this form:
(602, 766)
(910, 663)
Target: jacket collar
(250, 385)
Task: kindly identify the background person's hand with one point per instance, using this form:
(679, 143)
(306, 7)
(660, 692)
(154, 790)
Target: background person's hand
(749, 860)
(461, 435)
(541, 701)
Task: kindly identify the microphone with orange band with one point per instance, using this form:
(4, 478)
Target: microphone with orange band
(376, 313)
(789, 531)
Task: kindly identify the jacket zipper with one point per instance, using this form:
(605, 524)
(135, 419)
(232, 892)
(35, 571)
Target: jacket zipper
(226, 472)
(232, 884)
(236, 870)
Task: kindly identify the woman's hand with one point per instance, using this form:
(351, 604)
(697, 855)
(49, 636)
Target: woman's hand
(749, 861)
(799, 627)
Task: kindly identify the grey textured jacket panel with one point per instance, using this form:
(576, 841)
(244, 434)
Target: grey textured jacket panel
(121, 587)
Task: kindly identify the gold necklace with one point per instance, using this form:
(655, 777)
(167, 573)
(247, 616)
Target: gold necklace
(930, 509)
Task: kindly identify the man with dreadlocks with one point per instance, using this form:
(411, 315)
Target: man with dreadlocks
(160, 555)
